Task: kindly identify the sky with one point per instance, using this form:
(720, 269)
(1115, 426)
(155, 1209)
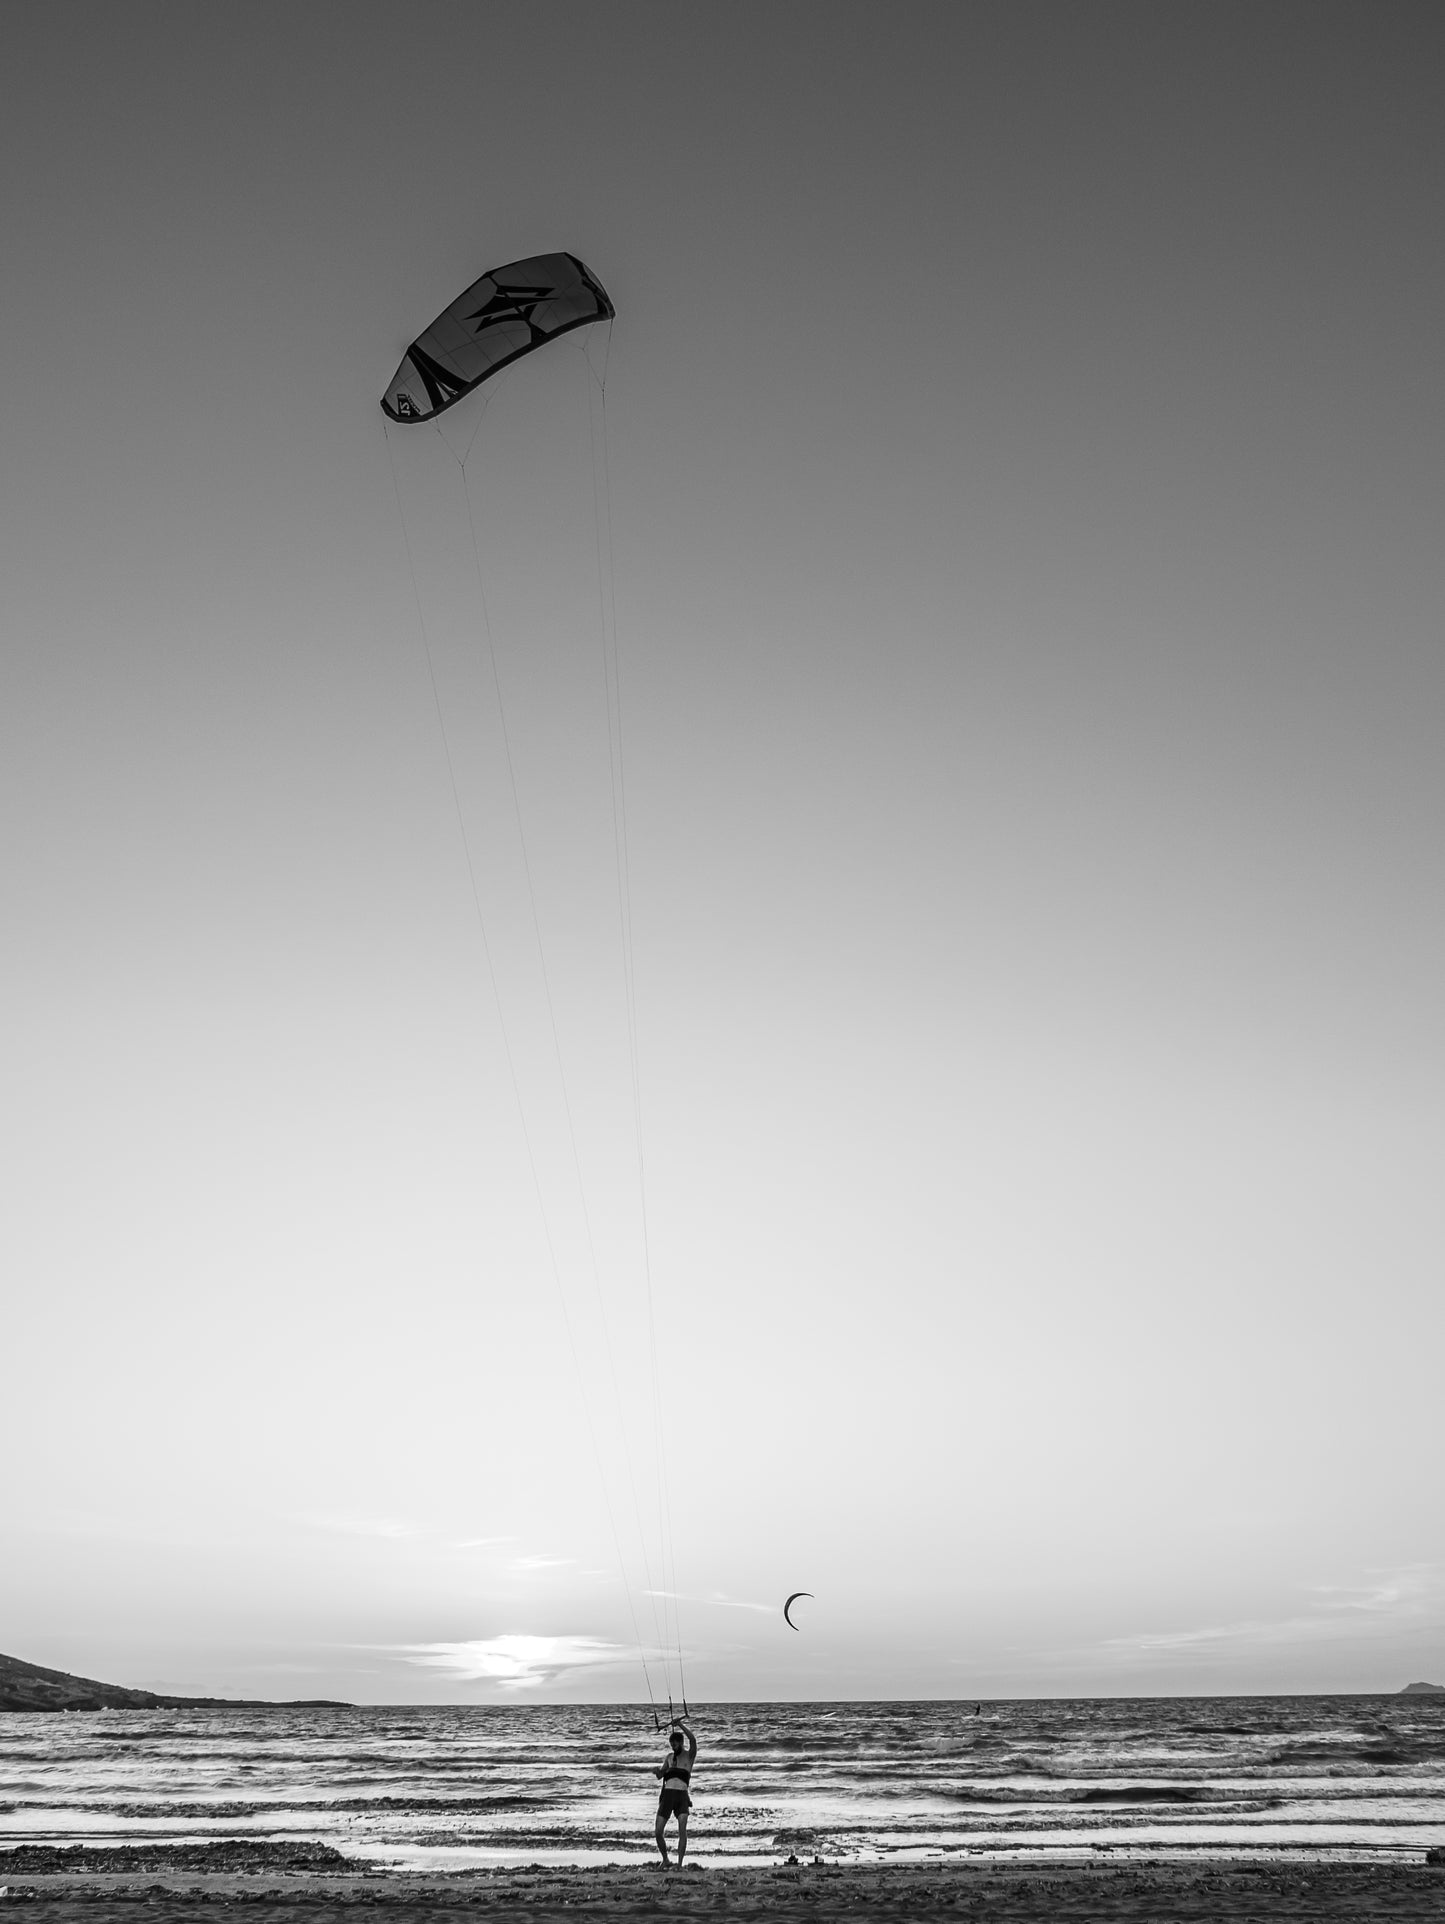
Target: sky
(1011, 494)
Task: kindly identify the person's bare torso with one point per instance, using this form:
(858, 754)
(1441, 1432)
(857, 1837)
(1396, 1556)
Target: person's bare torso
(677, 1768)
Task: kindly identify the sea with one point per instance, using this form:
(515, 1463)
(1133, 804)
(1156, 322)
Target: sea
(451, 1788)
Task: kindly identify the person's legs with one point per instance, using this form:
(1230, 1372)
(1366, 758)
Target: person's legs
(681, 1837)
(659, 1830)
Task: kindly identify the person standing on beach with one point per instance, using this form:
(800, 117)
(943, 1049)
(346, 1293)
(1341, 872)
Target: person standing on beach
(676, 1799)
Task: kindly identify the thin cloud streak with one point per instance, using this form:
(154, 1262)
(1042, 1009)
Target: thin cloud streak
(388, 1529)
(1341, 1612)
(719, 1603)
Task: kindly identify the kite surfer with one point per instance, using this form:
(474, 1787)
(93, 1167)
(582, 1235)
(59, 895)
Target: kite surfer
(676, 1801)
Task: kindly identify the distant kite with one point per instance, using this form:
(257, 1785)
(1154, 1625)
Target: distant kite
(789, 1604)
(499, 318)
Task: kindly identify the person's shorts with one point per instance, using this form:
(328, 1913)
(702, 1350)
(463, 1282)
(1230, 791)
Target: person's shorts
(673, 1803)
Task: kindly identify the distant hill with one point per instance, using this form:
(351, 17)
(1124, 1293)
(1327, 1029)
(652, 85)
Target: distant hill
(1423, 1690)
(26, 1686)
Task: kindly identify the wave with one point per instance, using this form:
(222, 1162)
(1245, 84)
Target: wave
(481, 1783)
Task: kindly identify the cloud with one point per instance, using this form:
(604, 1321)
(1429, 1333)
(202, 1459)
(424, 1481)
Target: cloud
(392, 1529)
(716, 1602)
(541, 1563)
(1399, 1591)
(519, 1662)
(1338, 1611)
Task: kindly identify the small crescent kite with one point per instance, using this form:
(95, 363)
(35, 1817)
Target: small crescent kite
(789, 1604)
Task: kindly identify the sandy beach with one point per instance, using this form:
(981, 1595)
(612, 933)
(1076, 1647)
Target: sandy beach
(92, 1885)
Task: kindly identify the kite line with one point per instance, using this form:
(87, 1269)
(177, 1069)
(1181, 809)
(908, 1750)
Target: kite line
(547, 296)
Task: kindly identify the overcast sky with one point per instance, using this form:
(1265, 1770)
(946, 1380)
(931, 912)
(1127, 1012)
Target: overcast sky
(1024, 468)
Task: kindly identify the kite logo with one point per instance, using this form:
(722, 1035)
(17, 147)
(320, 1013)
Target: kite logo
(405, 406)
(511, 304)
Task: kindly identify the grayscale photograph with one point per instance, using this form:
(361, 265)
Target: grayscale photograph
(722, 770)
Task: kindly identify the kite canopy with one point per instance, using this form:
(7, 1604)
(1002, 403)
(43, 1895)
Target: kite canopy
(499, 318)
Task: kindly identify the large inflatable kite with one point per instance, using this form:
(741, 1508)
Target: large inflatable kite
(499, 318)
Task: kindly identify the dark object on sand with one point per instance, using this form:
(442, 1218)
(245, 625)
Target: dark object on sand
(27, 1686)
(1436, 1856)
(231, 1857)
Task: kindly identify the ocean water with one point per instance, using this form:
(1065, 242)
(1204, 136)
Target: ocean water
(444, 1788)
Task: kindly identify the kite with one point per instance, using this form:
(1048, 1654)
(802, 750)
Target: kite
(501, 317)
(789, 1604)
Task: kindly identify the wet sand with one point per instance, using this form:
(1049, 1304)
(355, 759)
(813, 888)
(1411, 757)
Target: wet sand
(295, 1883)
